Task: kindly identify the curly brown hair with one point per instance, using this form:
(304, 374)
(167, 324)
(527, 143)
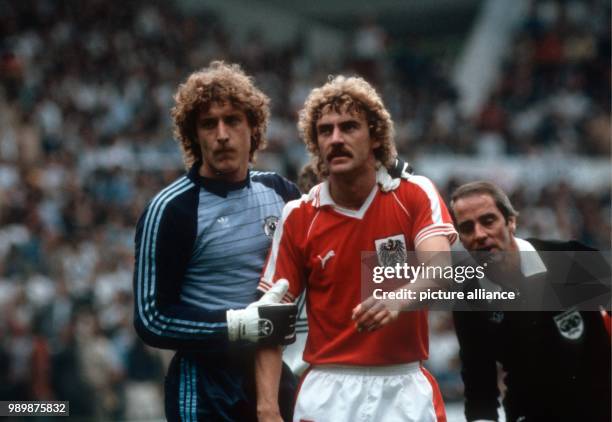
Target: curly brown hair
(351, 95)
(218, 83)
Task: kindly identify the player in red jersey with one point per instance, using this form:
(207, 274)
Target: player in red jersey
(373, 373)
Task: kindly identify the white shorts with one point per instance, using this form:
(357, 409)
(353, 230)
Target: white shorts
(354, 393)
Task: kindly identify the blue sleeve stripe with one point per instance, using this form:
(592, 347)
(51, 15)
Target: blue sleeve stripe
(143, 273)
(188, 394)
(194, 393)
(150, 316)
(182, 391)
(148, 312)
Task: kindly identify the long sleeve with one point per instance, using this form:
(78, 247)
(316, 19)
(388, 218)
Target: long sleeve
(165, 236)
(478, 367)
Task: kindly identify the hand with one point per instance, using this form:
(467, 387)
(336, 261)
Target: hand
(266, 321)
(274, 295)
(389, 179)
(372, 314)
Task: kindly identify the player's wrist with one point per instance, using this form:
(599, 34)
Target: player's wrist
(268, 411)
(237, 323)
(269, 324)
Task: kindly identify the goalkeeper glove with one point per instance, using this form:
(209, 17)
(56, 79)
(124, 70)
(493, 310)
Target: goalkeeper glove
(266, 321)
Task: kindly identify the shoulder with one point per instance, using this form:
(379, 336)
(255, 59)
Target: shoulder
(176, 196)
(300, 211)
(283, 187)
(171, 208)
(419, 183)
(419, 191)
(301, 207)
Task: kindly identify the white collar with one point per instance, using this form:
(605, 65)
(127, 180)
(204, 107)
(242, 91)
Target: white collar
(531, 263)
(325, 198)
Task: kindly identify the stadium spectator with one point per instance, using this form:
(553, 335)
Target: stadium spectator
(200, 247)
(552, 373)
(359, 369)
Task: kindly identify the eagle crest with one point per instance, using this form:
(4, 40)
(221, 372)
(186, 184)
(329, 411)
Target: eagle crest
(391, 251)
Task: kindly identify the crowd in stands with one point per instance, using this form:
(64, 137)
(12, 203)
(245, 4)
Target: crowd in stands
(86, 141)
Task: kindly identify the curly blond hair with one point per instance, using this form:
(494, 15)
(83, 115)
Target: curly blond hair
(351, 95)
(218, 83)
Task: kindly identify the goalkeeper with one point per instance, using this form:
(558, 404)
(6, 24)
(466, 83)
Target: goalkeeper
(200, 246)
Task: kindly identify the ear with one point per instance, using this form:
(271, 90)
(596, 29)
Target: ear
(512, 224)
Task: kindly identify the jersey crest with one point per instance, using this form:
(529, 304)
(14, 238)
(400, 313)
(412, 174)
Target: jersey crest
(269, 225)
(570, 324)
(391, 250)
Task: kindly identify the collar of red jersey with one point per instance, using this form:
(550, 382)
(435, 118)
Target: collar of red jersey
(321, 197)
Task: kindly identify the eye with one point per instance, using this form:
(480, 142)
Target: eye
(232, 120)
(207, 124)
(324, 130)
(488, 220)
(466, 228)
(349, 126)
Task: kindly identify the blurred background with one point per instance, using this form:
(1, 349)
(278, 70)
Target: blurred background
(517, 92)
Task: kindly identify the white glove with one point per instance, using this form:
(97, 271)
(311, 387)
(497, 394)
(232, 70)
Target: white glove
(274, 295)
(266, 320)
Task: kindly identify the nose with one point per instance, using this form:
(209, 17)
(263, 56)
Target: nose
(222, 134)
(337, 136)
(480, 234)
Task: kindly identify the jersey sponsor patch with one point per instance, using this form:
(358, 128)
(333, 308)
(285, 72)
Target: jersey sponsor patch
(269, 225)
(570, 324)
(391, 250)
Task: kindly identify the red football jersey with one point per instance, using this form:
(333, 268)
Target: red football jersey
(317, 246)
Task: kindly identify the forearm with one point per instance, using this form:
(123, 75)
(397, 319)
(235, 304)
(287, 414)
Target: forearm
(182, 327)
(434, 254)
(268, 367)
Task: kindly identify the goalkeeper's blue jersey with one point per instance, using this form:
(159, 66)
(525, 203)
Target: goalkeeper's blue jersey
(200, 247)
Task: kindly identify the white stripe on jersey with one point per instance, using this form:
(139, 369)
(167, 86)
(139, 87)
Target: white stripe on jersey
(278, 234)
(434, 200)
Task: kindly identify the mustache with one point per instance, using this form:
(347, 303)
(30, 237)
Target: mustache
(338, 152)
(224, 150)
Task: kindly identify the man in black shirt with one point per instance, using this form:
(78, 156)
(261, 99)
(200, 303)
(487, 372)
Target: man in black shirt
(557, 364)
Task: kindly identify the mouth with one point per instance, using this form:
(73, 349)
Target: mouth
(224, 153)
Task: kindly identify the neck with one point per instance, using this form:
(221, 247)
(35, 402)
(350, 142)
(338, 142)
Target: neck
(350, 191)
(231, 177)
(508, 272)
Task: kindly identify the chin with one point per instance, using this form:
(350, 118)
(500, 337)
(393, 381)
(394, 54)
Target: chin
(226, 166)
(340, 169)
